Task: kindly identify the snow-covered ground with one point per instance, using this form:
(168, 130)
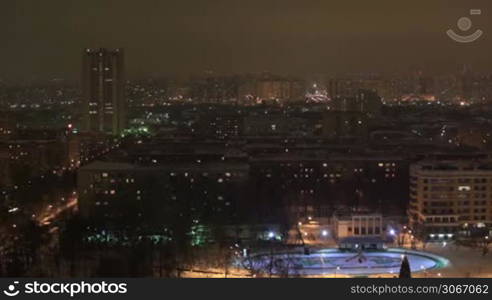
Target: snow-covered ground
(464, 261)
(331, 261)
(452, 260)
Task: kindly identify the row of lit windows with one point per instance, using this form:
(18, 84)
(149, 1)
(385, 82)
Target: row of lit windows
(445, 196)
(441, 220)
(462, 180)
(452, 203)
(174, 174)
(476, 218)
(451, 211)
(462, 188)
(387, 165)
(364, 231)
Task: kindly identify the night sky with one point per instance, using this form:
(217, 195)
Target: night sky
(45, 38)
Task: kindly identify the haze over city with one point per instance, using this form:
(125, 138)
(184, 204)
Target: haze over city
(44, 39)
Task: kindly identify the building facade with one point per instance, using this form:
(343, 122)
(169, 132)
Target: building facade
(104, 105)
(448, 195)
(360, 231)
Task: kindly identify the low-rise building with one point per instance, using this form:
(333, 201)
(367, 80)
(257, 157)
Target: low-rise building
(360, 231)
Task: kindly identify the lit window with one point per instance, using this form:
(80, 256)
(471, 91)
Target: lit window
(464, 188)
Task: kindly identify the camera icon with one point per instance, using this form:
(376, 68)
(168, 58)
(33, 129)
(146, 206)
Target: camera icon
(464, 24)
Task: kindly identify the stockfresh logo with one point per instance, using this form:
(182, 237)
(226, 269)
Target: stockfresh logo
(465, 24)
(12, 290)
(70, 288)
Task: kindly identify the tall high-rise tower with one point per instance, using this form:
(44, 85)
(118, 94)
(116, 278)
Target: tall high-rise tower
(104, 105)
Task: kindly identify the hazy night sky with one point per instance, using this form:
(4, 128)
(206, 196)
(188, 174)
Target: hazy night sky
(45, 38)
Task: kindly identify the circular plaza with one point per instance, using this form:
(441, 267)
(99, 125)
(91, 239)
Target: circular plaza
(336, 262)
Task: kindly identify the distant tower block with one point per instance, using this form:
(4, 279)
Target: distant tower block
(104, 105)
